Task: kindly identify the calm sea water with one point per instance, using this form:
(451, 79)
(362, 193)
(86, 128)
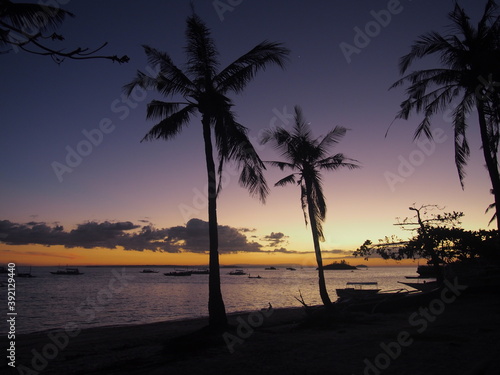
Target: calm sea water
(105, 296)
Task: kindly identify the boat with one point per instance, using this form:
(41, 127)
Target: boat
(25, 274)
(357, 289)
(291, 269)
(254, 277)
(178, 273)
(423, 286)
(201, 271)
(271, 268)
(388, 301)
(237, 273)
(147, 270)
(68, 271)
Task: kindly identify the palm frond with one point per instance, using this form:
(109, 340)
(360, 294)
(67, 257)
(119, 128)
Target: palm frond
(426, 44)
(160, 109)
(233, 144)
(286, 180)
(281, 164)
(332, 138)
(201, 52)
(338, 161)
(238, 74)
(171, 126)
(278, 136)
(170, 80)
(33, 17)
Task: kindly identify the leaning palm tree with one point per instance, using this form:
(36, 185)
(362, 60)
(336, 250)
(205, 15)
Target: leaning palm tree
(308, 156)
(469, 76)
(203, 89)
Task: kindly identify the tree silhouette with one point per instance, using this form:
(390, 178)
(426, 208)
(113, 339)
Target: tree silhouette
(204, 89)
(308, 156)
(25, 26)
(470, 76)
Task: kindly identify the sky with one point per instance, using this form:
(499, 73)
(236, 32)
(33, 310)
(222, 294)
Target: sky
(78, 187)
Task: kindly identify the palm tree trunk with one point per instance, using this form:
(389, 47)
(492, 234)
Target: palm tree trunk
(490, 159)
(216, 309)
(325, 298)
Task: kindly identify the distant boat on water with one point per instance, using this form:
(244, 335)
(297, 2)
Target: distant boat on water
(147, 270)
(68, 271)
(291, 269)
(254, 277)
(271, 268)
(237, 273)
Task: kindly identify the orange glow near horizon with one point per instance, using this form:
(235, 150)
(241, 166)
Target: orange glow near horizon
(37, 255)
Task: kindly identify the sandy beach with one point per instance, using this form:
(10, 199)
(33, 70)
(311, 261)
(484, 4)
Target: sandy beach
(444, 336)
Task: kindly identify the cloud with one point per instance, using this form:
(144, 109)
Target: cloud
(275, 239)
(193, 237)
(286, 251)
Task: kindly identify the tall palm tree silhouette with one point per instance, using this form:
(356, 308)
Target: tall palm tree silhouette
(307, 157)
(470, 76)
(204, 89)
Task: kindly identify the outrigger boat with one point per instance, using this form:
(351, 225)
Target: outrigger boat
(424, 286)
(357, 290)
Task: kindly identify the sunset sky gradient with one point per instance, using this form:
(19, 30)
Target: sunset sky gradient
(117, 200)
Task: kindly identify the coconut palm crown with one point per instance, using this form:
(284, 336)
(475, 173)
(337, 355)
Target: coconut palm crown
(203, 89)
(307, 157)
(468, 80)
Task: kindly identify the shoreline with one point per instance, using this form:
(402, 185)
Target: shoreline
(463, 338)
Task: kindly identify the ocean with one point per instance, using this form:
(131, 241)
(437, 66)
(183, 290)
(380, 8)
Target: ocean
(110, 296)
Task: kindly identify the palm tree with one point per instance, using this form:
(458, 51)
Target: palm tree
(470, 75)
(204, 90)
(307, 157)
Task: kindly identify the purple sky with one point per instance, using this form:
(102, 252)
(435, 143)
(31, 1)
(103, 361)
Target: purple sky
(46, 109)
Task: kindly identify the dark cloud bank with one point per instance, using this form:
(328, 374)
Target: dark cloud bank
(193, 237)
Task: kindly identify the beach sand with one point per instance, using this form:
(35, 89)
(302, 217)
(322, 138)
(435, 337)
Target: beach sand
(454, 337)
